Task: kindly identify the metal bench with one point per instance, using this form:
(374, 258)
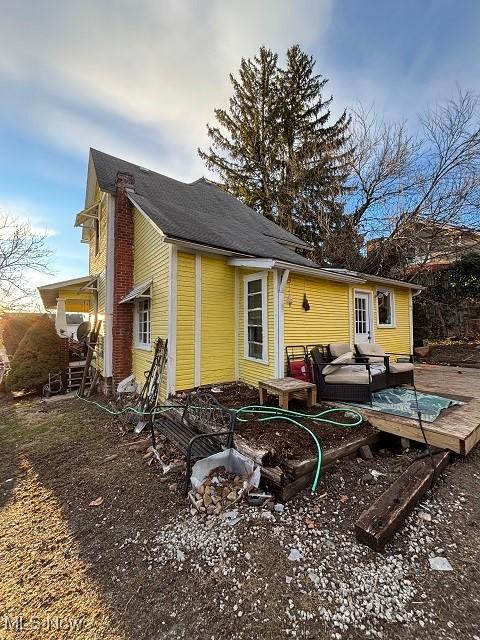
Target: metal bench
(203, 428)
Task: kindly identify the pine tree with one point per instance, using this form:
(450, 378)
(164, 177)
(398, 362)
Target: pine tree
(245, 156)
(278, 153)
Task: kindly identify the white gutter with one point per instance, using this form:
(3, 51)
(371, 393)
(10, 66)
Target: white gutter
(317, 272)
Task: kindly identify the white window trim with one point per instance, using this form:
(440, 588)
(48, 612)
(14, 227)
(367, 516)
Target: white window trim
(143, 346)
(393, 323)
(263, 276)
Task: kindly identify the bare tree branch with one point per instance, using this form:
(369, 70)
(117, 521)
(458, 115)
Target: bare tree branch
(21, 250)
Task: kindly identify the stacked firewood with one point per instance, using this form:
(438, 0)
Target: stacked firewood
(218, 492)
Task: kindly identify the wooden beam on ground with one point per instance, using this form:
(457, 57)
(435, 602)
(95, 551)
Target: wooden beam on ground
(378, 524)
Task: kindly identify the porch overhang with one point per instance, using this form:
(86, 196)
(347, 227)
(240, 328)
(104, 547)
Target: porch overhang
(76, 299)
(139, 291)
(86, 219)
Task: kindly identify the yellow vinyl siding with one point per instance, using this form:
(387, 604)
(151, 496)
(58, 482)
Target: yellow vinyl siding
(217, 321)
(96, 265)
(97, 261)
(396, 338)
(75, 301)
(185, 376)
(249, 371)
(328, 319)
(151, 260)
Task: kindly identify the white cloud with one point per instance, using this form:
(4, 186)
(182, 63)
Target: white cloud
(26, 212)
(162, 66)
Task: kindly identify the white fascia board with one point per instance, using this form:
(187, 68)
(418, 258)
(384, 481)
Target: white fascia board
(317, 273)
(394, 283)
(252, 263)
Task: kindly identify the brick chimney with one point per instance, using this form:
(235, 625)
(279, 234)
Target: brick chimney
(122, 323)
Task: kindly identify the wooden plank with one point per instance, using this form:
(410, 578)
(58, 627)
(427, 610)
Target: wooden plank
(378, 524)
(300, 468)
(274, 475)
(260, 456)
(410, 429)
(329, 458)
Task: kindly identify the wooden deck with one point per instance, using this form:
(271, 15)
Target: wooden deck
(458, 428)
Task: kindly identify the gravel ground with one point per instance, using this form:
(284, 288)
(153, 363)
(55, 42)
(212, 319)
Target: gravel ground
(139, 565)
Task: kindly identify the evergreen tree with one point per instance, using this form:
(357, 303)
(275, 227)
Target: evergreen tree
(277, 152)
(245, 156)
(37, 354)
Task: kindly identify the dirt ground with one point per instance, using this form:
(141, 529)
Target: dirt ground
(139, 566)
(455, 353)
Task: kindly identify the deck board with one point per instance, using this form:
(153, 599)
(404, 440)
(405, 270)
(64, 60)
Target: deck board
(457, 428)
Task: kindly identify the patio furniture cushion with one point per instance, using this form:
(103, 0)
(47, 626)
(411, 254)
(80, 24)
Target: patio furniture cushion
(331, 368)
(400, 367)
(338, 349)
(369, 349)
(349, 375)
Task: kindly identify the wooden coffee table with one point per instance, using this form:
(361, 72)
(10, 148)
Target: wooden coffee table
(286, 388)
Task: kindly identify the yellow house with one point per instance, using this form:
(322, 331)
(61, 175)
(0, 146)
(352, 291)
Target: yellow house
(226, 286)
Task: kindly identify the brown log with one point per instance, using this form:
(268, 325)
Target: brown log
(378, 524)
(299, 469)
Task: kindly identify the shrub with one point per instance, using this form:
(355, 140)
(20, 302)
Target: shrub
(37, 354)
(14, 327)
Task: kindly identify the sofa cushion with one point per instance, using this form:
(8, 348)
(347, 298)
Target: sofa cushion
(338, 349)
(400, 367)
(348, 375)
(375, 351)
(331, 368)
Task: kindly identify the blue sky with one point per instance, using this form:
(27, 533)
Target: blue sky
(140, 78)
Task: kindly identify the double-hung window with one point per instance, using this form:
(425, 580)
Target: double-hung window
(255, 314)
(143, 324)
(385, 308)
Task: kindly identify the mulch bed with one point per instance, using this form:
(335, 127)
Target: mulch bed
(288, 441)
(455, 353)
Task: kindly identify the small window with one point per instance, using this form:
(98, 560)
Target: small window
(385, 308)
(143, 338)
(255, 293)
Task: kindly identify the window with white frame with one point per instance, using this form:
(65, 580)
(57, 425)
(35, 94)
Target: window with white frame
(143, 329)
(255, 301)
(385, 308)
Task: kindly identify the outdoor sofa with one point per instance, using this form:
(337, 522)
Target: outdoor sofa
(345, 379)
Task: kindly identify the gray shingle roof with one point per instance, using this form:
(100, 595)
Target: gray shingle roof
(200, 212)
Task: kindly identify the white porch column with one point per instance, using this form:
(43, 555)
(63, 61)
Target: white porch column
(61, 318)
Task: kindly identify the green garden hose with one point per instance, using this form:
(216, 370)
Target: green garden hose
(268, 413)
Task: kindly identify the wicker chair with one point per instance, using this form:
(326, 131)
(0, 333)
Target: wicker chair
(398, 373)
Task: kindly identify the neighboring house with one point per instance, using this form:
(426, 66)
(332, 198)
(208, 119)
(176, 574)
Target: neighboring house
(435, 246)
(190, 263)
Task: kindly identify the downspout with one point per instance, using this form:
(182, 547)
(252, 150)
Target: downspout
(109, 277)
(282, 283)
